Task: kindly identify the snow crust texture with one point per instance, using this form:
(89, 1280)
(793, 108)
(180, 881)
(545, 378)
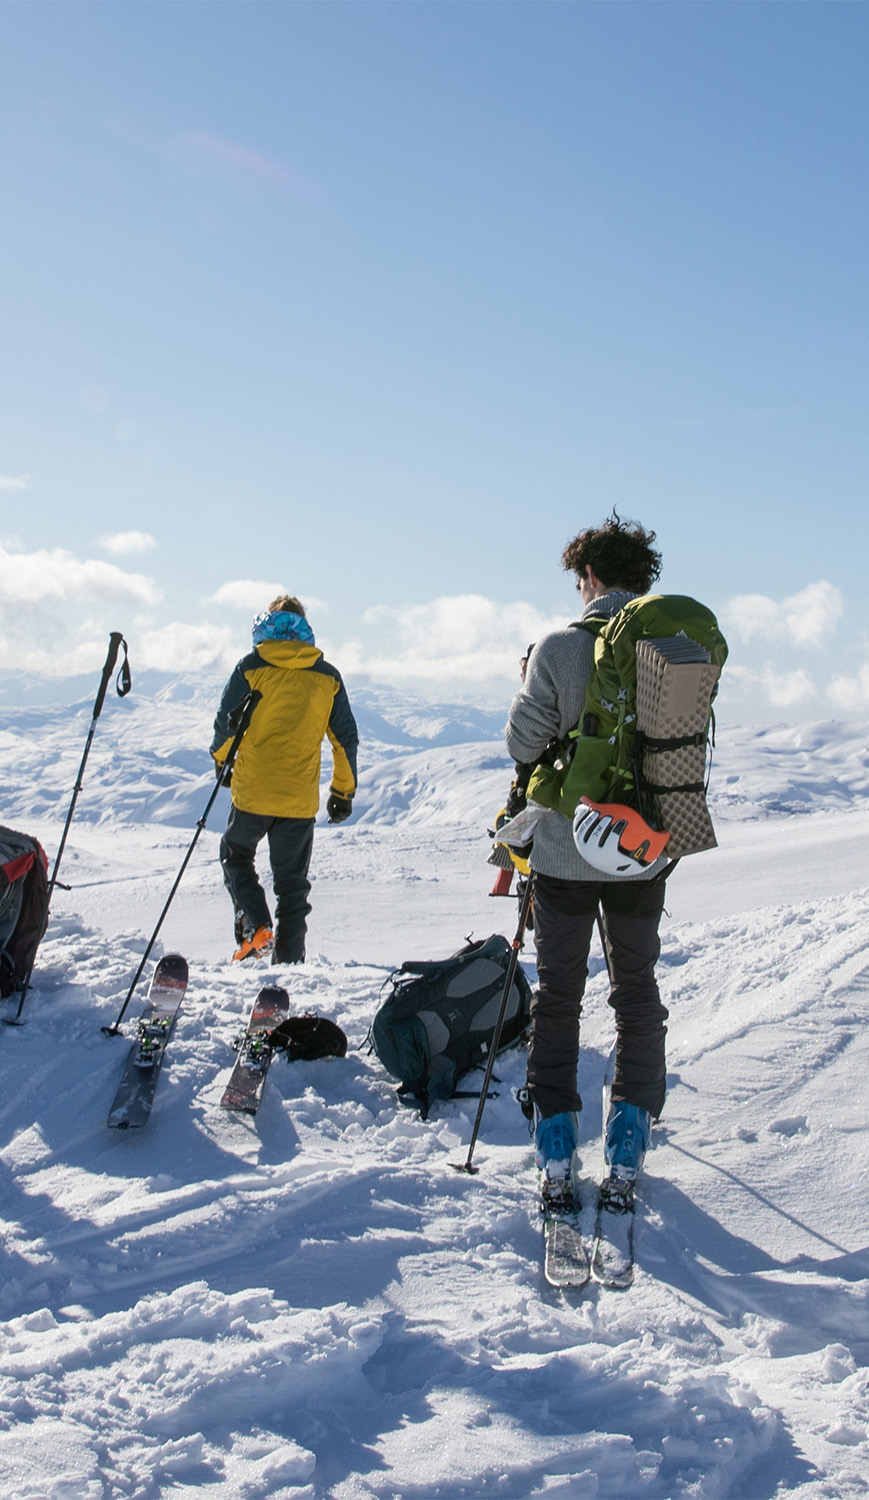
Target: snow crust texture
(314, 1303)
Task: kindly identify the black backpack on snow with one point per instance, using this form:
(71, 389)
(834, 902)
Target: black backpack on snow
(440, 1018)
(23, 907)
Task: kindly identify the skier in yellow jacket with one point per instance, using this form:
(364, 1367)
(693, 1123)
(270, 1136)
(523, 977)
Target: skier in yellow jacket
(276, 777)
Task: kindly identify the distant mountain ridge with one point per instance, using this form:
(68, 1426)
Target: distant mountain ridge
(391, 716)
(419, 761)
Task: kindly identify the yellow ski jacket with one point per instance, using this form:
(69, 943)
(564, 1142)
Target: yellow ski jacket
(277, 769)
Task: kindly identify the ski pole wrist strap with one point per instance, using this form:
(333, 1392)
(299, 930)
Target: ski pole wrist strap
(124, 681)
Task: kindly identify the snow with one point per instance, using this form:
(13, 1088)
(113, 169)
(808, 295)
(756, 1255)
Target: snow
(314, 1303)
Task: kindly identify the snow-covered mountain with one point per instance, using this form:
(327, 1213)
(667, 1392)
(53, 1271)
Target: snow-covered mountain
(315, 1304)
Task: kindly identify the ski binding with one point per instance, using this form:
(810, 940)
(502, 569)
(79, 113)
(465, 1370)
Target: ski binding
(252, 1046)
(151, 1038)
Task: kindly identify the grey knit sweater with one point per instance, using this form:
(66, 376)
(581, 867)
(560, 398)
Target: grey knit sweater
(548, 707)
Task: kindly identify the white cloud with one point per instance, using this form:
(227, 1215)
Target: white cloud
(60, 658)
(54, 609)
(122, 542)
(253, 595)
(787, 689)
(56, 577)
(804, 619)
(814, 613)
(782, 689)
(851, 693)
(176, 647)
(9, 482)
(463, 636)
(246, 593)
(179, 647)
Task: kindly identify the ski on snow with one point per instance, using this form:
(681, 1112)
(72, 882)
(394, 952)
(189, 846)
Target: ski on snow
(132, 1102)
(244, 1090)
(565, 1258)
(612, 1253)
(612, 1256)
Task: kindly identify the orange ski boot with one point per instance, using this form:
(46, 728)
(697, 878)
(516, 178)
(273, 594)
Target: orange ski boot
(258, 945)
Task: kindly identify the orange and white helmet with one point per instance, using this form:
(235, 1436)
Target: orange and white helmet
(615, 839)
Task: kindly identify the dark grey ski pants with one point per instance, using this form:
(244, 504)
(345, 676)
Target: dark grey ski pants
(565, 912)
(291, 841)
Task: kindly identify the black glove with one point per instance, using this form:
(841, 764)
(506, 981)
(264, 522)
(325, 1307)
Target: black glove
(218, 772)
(516, 802)
(338, 807)
(305, 1037)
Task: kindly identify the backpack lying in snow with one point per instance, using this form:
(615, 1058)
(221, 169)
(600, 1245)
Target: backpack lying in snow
(643, 736)
(439, 1021)
(23, 914)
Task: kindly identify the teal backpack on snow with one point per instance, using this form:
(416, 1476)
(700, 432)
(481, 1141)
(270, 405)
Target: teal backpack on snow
(440, 1018)
(608, 756)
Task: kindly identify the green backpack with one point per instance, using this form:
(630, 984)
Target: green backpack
(598, 759)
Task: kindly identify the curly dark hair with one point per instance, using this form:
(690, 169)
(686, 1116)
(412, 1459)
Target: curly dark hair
(620, 553)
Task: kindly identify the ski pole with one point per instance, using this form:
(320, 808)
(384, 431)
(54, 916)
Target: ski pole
(116, 640)
(243, 717)
(517, 945)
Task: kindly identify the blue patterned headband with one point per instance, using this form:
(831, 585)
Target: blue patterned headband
(281, 625)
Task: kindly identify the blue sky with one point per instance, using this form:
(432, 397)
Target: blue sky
(382, 303)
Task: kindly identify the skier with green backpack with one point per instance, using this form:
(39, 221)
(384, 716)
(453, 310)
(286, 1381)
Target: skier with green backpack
(606, 789)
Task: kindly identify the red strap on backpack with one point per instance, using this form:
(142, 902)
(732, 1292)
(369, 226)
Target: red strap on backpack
(16, 869)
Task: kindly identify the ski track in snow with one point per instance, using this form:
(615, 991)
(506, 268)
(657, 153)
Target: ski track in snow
(314, 1303)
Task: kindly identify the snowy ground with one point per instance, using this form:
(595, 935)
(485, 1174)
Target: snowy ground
(315, 1304)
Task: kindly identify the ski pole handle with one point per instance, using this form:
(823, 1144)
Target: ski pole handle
(116, 640)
